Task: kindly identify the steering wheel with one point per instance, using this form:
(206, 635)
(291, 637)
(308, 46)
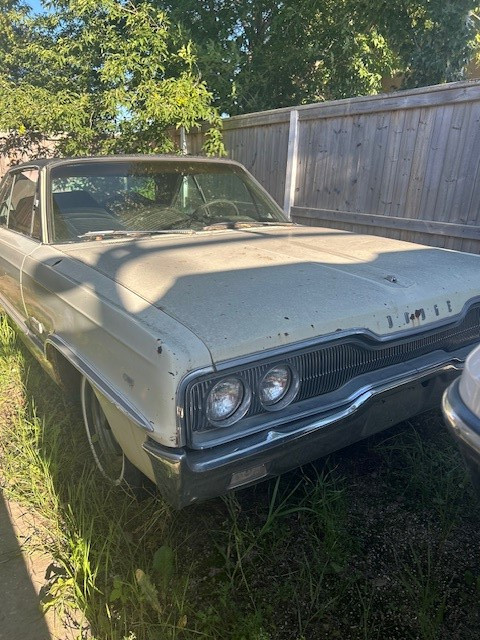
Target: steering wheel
(213, 203)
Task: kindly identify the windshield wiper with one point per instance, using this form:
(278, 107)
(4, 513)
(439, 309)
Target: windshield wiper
(244, 225)
(124, 233)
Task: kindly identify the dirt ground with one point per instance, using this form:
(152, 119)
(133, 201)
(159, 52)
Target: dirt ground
(24, 573)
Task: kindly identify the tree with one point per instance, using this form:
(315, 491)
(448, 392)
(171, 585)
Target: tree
(434, 39)
(104, 77)
(114, 75)
(262, 54)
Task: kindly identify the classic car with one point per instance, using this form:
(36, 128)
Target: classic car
(461, 409)
(213, 343)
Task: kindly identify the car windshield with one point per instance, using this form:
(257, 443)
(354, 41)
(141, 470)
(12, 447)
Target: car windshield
(102, 198)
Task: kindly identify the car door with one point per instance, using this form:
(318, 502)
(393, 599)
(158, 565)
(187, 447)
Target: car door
(20, 235)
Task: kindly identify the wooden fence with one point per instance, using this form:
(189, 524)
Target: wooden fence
(404, 165)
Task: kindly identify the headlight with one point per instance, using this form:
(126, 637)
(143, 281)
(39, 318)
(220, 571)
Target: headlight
(278, 387)
(227, 402)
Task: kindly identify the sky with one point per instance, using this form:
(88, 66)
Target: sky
(36, 5)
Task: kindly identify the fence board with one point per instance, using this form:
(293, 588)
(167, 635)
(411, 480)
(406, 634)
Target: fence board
(437, 95)
(401, 224)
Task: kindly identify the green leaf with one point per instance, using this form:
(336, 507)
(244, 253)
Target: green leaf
(163, 564)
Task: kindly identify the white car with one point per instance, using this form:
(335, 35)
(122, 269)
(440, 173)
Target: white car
(213, 343)
(461, 409)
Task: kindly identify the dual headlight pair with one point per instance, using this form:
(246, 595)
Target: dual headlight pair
(230, 398)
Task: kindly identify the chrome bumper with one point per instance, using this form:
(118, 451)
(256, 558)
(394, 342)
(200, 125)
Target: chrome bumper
(465, 428)
(185, 476)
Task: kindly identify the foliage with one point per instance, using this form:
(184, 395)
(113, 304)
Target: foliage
(112, 76)
(104, 77)
(434, 39)
(257, 55)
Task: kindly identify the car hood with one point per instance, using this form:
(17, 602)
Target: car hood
(246, 291)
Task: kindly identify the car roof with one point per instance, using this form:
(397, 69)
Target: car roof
(43, 162)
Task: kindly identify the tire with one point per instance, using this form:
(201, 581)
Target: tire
(107, 453)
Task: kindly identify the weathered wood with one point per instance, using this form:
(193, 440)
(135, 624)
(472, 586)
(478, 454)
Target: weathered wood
(450, 93)
(452, 160)
(390, 222)
(419, 161)
(469, 159)
(461, 244)
(263, 150)
(401, 179)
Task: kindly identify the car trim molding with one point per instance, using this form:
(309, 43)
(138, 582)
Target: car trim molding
(20, 323)
(99, 382)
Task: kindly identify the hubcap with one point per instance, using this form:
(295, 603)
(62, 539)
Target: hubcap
(105, 448)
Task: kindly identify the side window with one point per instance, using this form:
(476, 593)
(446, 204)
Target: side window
(23, 212)
(5, 191)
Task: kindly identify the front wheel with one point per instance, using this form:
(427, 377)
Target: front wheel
(107, 453)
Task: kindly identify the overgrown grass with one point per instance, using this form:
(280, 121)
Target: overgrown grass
(380, 541)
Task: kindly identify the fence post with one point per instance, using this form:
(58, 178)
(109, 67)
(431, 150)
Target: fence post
(292, 158)
(183, 141)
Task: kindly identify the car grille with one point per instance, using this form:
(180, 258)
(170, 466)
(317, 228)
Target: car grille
(326, 368)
